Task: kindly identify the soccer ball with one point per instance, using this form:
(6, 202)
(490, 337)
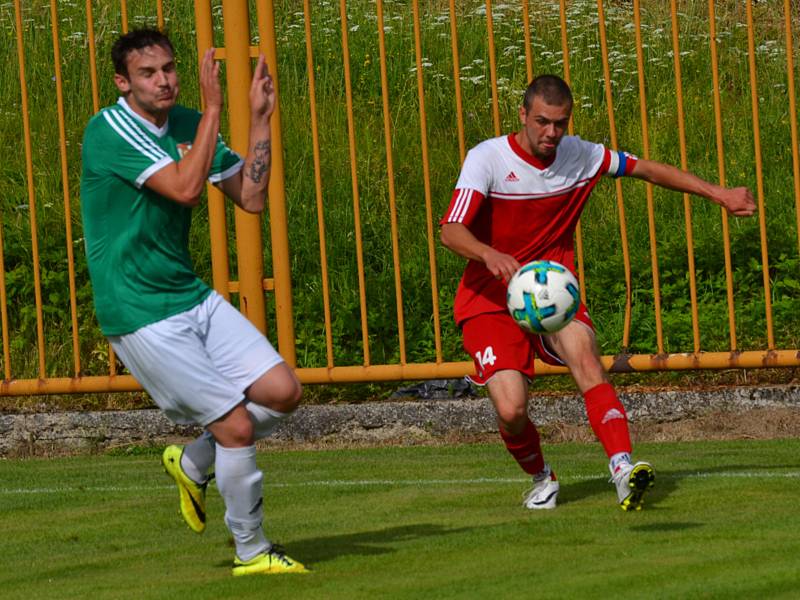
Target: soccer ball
(543, 296)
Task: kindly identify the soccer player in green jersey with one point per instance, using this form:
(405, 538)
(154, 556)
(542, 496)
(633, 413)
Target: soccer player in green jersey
(145, 163)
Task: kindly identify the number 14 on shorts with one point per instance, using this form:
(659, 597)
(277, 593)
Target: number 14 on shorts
(486, 357)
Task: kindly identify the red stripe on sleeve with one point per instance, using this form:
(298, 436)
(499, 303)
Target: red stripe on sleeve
(464, 205)
(606, 162)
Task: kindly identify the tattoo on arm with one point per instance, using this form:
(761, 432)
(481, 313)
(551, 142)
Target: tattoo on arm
(261, 161)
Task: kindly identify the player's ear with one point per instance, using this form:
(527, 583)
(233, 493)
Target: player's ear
(122, 83)
(523, 113)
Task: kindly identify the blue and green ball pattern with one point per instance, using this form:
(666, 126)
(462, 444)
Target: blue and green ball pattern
(532, 316)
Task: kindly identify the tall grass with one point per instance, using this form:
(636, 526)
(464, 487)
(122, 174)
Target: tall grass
(604, 266)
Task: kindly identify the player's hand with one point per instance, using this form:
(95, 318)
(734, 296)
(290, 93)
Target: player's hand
(209, 80)
(739, 202)
(262, 90)
(502, 266)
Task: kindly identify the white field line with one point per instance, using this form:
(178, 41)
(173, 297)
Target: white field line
(398, 482)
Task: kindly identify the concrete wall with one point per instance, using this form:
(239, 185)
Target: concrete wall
(36, 434)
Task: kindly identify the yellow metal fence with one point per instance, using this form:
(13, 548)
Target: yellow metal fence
(362, 66)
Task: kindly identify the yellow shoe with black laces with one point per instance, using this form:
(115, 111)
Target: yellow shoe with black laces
(273, 562)
(192, 494)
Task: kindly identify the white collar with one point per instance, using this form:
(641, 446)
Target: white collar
(151, 127)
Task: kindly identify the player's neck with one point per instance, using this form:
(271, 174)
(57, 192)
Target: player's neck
(524, 142)
(157, 118)
(524, 149)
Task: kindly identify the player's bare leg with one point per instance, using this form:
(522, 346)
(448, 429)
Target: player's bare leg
(271, 399)
(508, 390)
(576, 346)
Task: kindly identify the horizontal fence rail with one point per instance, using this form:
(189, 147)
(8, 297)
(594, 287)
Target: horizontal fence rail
(379, 102)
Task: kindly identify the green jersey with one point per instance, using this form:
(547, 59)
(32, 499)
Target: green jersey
(137, 242)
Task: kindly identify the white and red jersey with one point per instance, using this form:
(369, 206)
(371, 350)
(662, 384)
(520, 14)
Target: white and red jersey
(525, 207)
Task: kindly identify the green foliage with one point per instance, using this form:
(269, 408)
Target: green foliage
(420, 197)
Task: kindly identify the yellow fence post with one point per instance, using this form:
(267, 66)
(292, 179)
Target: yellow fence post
(26, 120)
(217, 224)
(651, 217)
(250, 259)
(626, 330)
(351, 138)
(40, 285)
(278, 222)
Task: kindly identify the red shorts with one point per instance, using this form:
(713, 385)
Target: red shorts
(496, 343)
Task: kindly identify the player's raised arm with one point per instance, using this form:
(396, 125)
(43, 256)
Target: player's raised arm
(183, 181)
(248, 188)
(737, 201)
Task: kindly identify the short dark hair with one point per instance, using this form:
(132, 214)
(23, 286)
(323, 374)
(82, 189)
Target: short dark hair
(551, 88)
(136, 40)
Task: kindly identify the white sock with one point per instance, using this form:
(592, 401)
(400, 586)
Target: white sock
(265, 420)
(240, 484)
(618, 459)
(198, 457)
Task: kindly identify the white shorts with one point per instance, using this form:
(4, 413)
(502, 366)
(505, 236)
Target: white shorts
(196, 365)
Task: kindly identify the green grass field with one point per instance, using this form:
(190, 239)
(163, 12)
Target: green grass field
(414, 522)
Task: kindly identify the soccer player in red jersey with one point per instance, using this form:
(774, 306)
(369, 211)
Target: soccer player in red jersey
(519, 198)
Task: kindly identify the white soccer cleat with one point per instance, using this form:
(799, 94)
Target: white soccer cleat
(544, 492)
(632, 481)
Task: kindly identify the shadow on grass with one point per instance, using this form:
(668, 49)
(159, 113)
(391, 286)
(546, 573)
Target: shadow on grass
(579, 490)
(573, 492)
(664, 527)
(667, 482)
(365, 543)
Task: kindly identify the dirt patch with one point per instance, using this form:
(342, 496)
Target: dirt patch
(754, 424)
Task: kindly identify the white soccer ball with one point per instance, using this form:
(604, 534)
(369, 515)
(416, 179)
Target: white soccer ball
(543, 296)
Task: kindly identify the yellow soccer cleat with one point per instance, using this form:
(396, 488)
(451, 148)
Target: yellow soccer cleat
(192, 495)
(273, 562)
(632, 481)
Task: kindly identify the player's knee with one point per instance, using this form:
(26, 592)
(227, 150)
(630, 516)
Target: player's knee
(512, 418)
(279, 389)
(286, 394)
(241, 433)
(589, 372)
(292, 395)
(234, 430)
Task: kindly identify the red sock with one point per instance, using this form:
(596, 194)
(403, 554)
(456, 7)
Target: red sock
(525, 448)
(608, 419)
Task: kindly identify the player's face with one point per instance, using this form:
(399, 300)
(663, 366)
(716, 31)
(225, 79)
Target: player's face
(151, 87)
(543, 127)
